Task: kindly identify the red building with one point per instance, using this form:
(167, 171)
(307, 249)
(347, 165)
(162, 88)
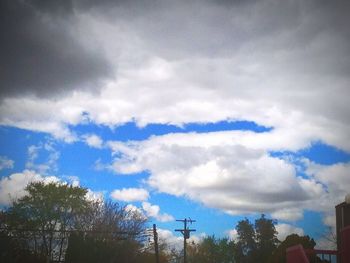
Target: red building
(297, 254)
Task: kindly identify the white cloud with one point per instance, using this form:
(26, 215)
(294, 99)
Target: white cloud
(288, 214)
(6, 163)
(328, 239)
(130, 194)
(172, 241)
(148, 210)
(73, 180)
(285, 229)
(232, 234)
(46, 151)
(94, 195)
(281, 65)
(233, 171)
(93, 140)
(335, 179)
(225, 170)
(41, 115)
(275, 64)
(330, 220)
(154, 211)
(132, 208)
(12, 186)
(166, 236)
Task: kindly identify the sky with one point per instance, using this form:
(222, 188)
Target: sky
(210, 110)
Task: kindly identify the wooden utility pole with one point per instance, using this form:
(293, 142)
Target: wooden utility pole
(185, 232)
(155, 237)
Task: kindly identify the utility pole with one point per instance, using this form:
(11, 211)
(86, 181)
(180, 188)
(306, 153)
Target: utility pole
(155, 237)
(185, 232)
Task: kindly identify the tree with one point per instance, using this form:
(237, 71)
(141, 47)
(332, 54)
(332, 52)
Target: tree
(211, 250)
(56, 221)
(13, 250)
(246, 242)
(44, 217)
(266, 238)
(114, 235)
(255, 243)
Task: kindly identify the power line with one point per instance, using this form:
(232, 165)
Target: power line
(185, 232)
(72, 231)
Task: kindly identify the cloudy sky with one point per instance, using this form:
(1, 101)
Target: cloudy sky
(214, 110)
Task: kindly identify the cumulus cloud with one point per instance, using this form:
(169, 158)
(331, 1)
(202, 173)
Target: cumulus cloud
(133, 208)
(334, 178)
(224, 170)
(232, 234)
(73, 180)
(6, 163)
(42, 158)
(285, 229)
(130, 194)
(172, 241)
(94, 195)
(289, 214)
(93, 140)
(283, 65)
(148, 210)
(275, 63)
(12, 186)
(166, 236)
(154, 211)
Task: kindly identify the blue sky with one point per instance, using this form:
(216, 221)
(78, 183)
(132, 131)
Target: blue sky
(77, 161)
(210, 110)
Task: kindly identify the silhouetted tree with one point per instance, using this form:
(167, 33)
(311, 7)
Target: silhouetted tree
(14, 250)
(245, 250)
(266, 238)
(114, 235)
(211, 250)
(43, 218)
(255, 243)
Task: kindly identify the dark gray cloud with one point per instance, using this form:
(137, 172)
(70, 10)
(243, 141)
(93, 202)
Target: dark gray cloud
(178, 29)
(40, 53)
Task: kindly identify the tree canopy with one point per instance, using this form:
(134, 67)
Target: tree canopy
(255, 242)
(44, 217)
(114, 235)
(56, 221)
(211, 250)
(45, 223)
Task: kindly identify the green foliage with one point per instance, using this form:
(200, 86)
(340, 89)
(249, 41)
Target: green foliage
(45, 215)
(246, 245)
(266, 238)
(87, 248)
(14, 251)
(55, 222)
(255, 243)
(113, 236)
(211, 250)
